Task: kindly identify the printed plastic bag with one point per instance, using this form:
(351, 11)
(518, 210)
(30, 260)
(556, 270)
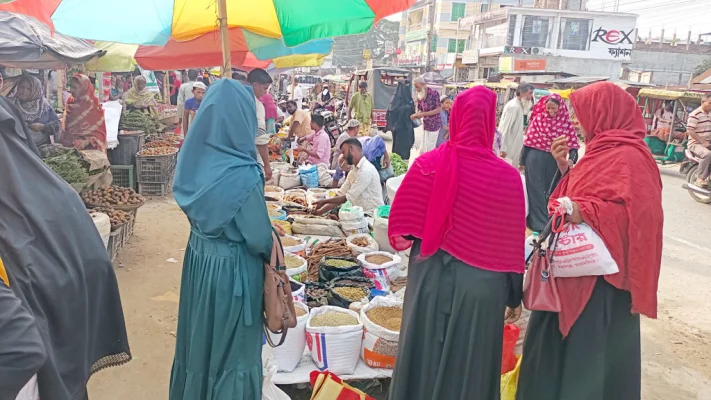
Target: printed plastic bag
(380, 345)
(355, 227)
(298, 290)
(381, 274)
(328, 386)
(334, 348)
(350, 212)
(580, 251)
(509, 382)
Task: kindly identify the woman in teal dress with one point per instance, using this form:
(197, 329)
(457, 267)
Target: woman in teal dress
(220, 187)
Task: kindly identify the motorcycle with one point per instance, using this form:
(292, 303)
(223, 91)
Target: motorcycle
(690, 168)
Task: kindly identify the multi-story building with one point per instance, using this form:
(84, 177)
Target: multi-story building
(544, 42)
(449, 36)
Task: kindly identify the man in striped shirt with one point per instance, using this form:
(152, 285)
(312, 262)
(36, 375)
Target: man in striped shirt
(699, 129)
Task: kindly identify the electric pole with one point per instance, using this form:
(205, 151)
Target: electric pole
(430, 34)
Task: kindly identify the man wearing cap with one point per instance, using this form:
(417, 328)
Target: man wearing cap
(362, 103)
(192, 105)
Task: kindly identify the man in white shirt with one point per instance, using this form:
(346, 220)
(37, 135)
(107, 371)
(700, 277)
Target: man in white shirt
(185, 93)
(362, 186)
(296, 93)
(511, 124)
(260, 81)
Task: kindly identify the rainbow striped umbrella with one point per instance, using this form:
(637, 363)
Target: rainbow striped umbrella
(154, 22)
(288, 23)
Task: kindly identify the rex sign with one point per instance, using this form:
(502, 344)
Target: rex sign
(613, 40)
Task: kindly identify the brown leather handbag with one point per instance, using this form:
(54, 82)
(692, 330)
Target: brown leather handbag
(279, 313)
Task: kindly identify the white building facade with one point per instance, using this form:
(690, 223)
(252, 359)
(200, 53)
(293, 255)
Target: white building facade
(537, 40)
(449, 34)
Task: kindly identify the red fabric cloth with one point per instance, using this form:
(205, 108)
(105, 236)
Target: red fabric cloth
(543, 128)
(84, 124)
(619, 192)
(270, 108)
(461, 197)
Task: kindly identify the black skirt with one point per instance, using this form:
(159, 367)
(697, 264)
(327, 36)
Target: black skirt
(541, 168)
(452, 330)
(599, 360)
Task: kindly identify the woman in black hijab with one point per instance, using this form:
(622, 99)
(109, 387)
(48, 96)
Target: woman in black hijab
(399, 123)
(60, 311)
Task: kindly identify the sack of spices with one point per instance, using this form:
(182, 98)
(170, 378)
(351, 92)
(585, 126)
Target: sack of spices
(298, 291)
(381, 320)
(361, 243)
(343, 296)
(355, 227)
(294, 245)
(288, 355)
(334, 336)
(336, 267)
(289, 179)
(380, 267)
(316, 294)
(296, 267)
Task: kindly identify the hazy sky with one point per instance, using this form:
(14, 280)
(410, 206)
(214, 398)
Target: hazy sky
(679, 15)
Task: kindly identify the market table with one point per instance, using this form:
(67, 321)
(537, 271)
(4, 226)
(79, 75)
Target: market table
(302, 373)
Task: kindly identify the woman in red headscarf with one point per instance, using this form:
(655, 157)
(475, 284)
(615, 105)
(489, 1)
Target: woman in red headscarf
(549, 120)
(591, 349)
(462, 210)
(84, 124)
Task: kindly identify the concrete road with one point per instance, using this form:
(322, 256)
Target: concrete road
(676, 348)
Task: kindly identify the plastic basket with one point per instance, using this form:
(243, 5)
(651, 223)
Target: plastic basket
(155, 189)
(155, 169)
(123, 175)
(128, 228)
(125, 153)
(115, 243)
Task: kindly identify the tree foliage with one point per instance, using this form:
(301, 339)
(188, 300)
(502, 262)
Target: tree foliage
(348, 50)
(701, 68)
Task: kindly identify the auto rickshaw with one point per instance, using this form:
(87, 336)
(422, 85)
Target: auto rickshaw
(382, 83)
(667, 147)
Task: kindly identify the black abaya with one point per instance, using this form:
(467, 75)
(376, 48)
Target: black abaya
(452, 330)
(599, 360)
(402, 107)
(540, 170)
(59, 270)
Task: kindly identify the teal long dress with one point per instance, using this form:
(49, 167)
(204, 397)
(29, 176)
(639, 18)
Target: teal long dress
(220, 187)
(219, 338)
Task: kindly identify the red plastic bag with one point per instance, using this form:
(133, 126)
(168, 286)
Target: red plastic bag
(508, 358)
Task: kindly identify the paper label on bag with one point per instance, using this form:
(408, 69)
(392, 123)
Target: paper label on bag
(579, 251)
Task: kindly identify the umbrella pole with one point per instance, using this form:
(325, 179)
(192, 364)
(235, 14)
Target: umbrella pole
(225, 35)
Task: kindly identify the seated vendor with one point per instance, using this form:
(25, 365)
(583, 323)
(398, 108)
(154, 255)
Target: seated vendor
(84, 123)
(374, 150)
(300, 121)
(140, 98)
(362, 186)
(320, 151)
(192, 105)
(35, 110)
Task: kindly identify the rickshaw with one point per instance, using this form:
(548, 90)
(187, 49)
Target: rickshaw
(652, 100)
(382, 83)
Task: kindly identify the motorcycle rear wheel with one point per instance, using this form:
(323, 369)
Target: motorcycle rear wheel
(691, 176)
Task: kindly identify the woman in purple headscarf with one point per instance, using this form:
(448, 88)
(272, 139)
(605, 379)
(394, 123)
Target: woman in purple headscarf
(35, 110)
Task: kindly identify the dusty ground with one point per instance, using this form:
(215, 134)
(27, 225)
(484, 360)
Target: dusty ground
(676, 351)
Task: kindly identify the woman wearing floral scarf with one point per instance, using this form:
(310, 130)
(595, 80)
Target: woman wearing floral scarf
(549, 120)
(35, 110)
(140, 98)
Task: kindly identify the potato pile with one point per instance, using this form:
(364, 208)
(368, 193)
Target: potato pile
(158, 143)
(112, 196)
(117, 217)
(158, 151)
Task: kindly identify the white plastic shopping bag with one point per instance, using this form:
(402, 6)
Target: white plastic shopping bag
(30, 391)
(580, 251)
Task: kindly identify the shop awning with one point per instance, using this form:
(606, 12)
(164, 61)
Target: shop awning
(27, 43)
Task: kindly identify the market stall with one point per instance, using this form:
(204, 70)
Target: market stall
(346, 285)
